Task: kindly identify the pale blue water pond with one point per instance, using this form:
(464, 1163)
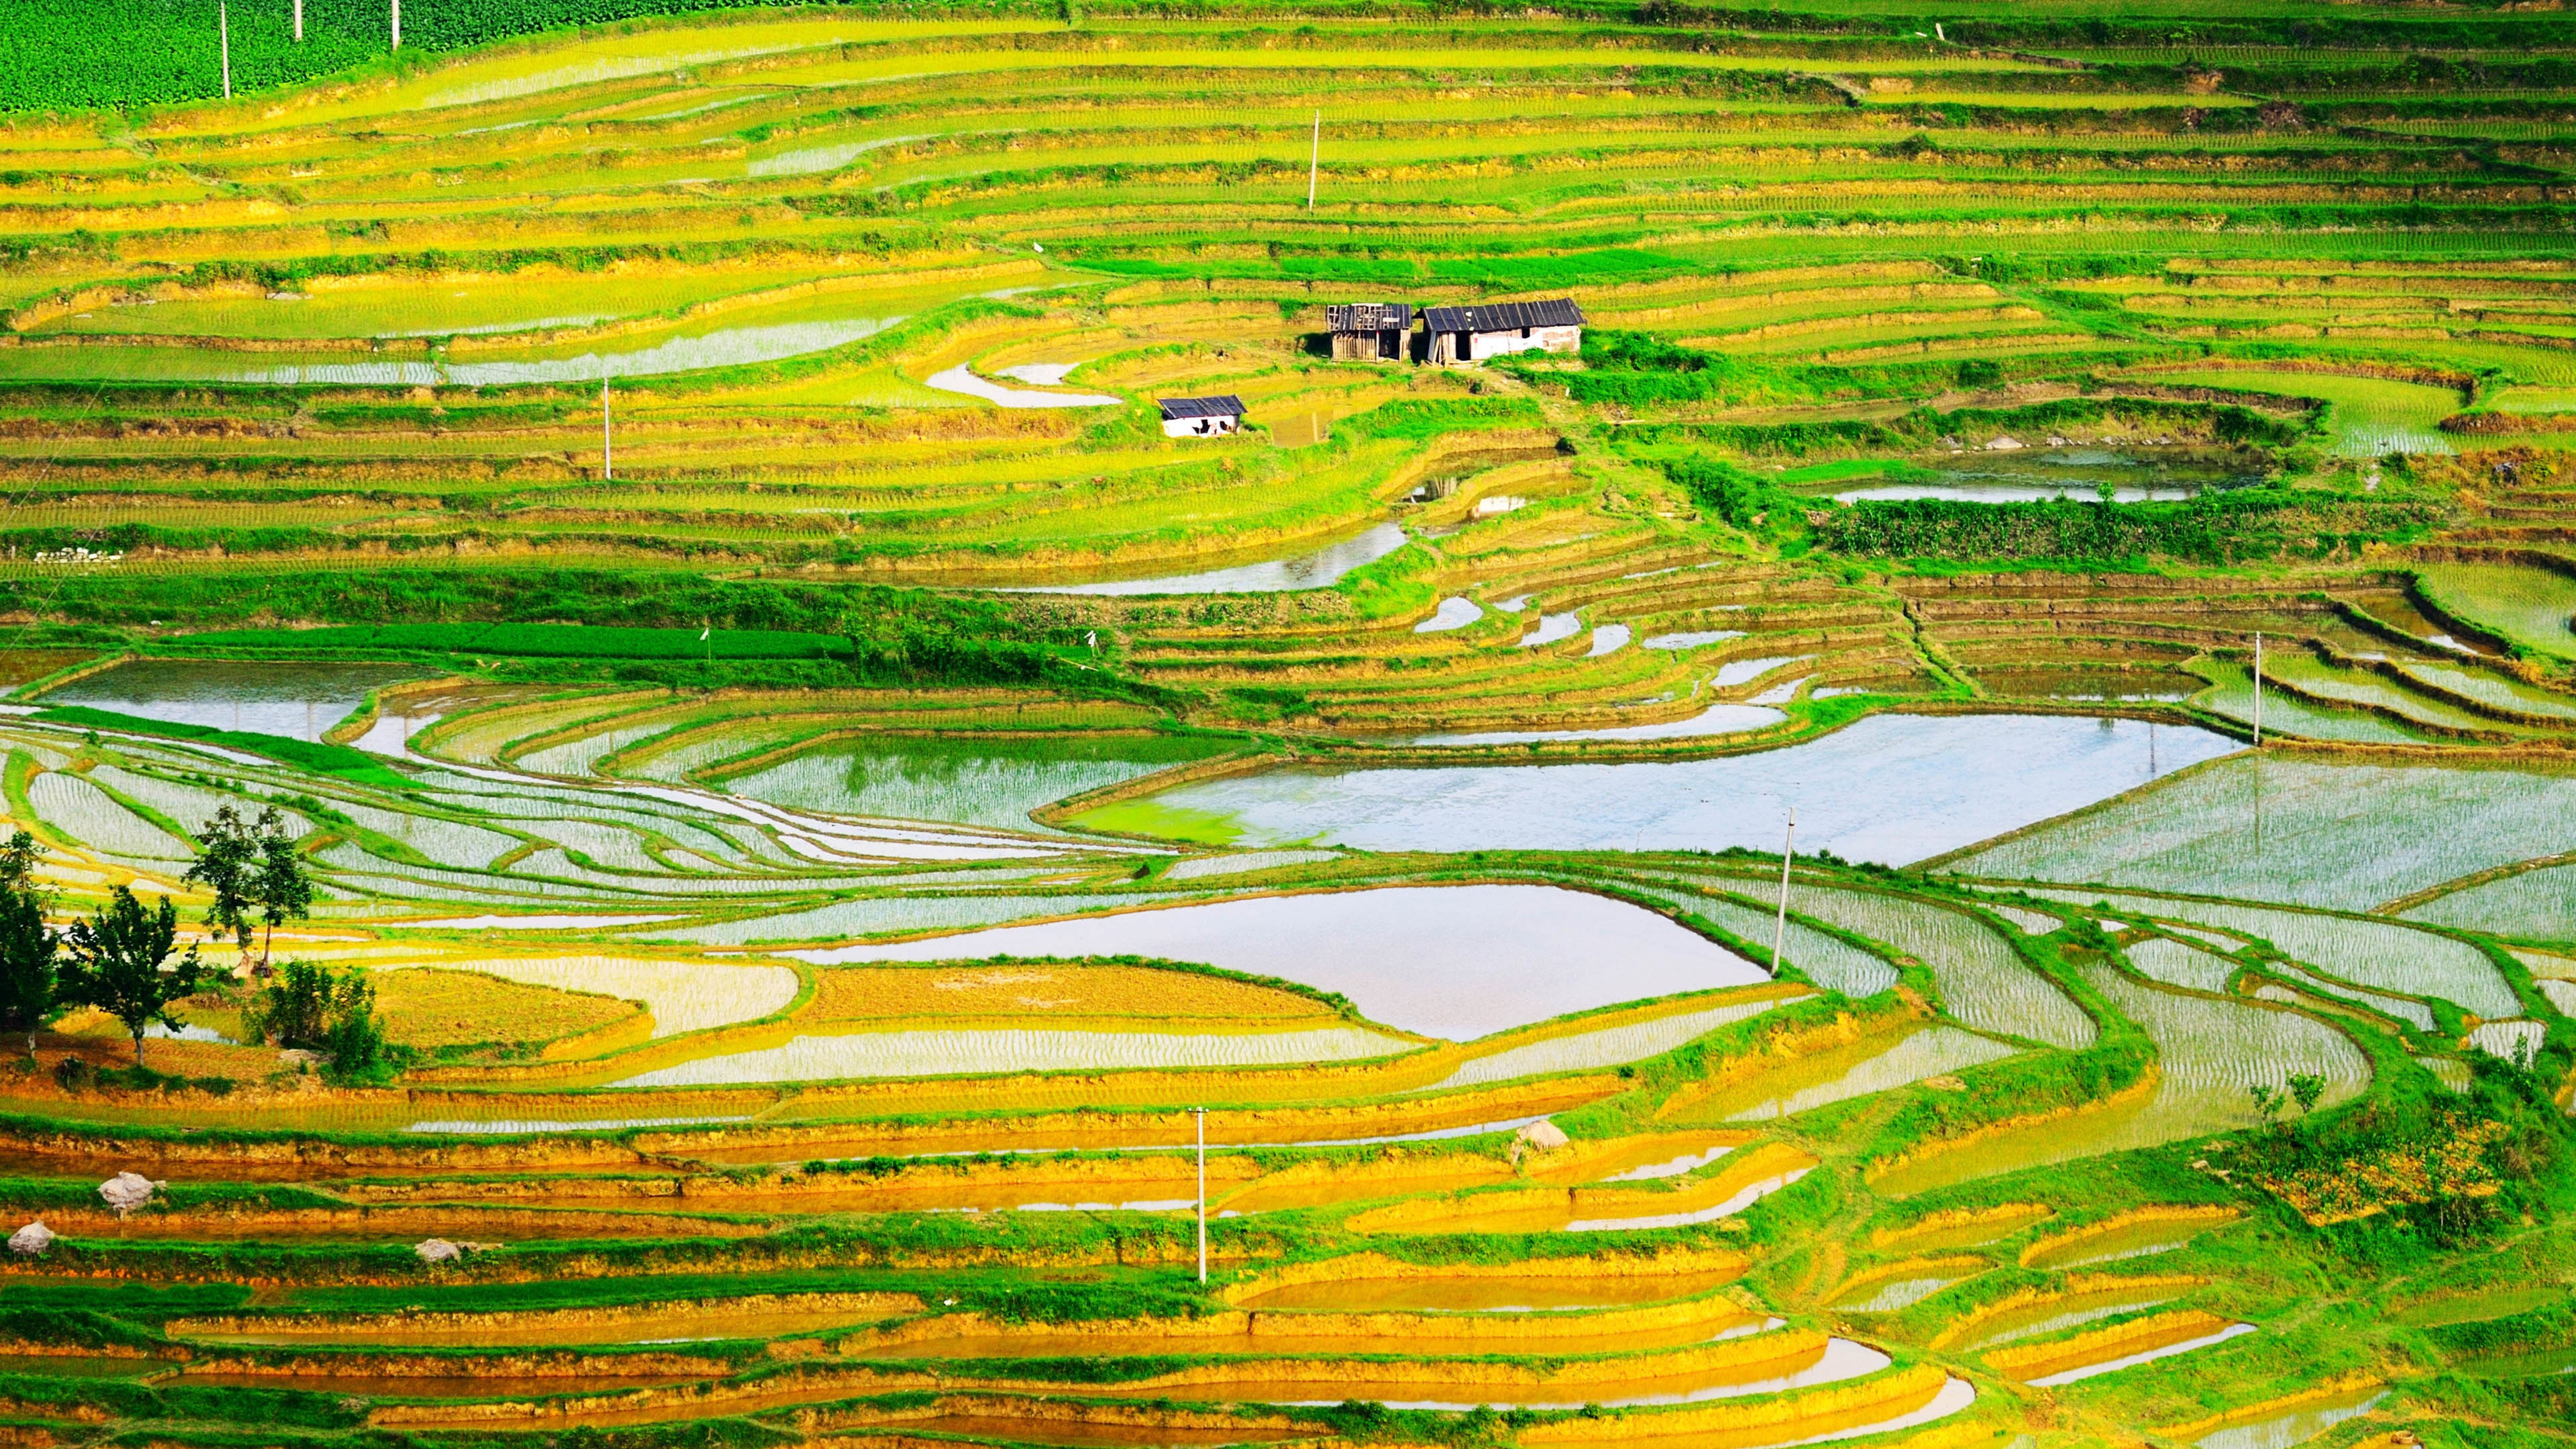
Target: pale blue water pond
(1891, 788)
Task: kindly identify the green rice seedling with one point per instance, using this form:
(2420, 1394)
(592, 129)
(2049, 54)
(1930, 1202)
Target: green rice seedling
(2211, 1051)
(2176, 964)
(1933, 1051)
(684, 996)
(2535, 905)
(2232, 695)
(2534, 607)
(1611, 1046)
(2269, 828)
(891, 915)
(999, 1050)
(1827, 960)
(1983, 981)
(85, 813)
(2370, 953)
(2498, 691)
(2371, 415)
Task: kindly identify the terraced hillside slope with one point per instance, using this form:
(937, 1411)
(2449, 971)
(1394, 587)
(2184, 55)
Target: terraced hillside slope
(1950, 830)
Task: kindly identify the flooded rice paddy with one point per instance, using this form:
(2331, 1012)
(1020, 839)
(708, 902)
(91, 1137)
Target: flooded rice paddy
(1858, 1071)
(1606, 1047)
(2297, 1424)
(1310, 569)
(2081, 1372)
(2063, 1311)
(1890, 788)
(1005, 1050)
(2381, 954)
(298, 701)
(1827, 960)
(994, 782)
(1456, 962)
(2079, 473)
(1488, 1293)
(962, 380)
(1984, 982)
(1717, 719)
(2300, 831)
(2144, 1237)
(732, 343)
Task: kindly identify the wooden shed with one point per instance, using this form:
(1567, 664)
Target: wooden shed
(1200, 417)
(1473, 334)
(1369, 331)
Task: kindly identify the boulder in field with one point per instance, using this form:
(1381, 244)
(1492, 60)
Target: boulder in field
(1544, 1135)
(127, 1191)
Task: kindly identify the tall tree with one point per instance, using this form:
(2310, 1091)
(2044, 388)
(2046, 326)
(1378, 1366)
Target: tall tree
(228, 865)
(120, 963)
(28, 947)
(283, 885)
(18, 859)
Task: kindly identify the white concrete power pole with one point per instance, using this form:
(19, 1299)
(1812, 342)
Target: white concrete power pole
(224, 41)
(1780, 927)
(1314, 158)
(2258, 691)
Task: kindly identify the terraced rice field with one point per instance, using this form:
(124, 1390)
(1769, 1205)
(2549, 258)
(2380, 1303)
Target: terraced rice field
(824, 868)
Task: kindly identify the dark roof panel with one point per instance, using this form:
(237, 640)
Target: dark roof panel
(1227, 406)
(1369, 316)
(1504, 316)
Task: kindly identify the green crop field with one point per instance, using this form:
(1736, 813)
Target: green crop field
(1923, 804)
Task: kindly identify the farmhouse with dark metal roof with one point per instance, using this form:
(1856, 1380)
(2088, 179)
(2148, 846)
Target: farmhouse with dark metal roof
(1200, 417)
(1473, 334)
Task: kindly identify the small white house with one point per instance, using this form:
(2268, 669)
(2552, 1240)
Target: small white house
(1201, 417)
(1473, 334)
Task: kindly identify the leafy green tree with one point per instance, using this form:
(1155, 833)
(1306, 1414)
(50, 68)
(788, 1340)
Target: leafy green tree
(308, 1006)
(28, 948)
(18, 857)
(228, 865)
(356, 1040)
(283, 885)
(294, 1011)
(120, 963)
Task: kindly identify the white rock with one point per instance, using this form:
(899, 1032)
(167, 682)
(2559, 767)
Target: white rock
(1544, 1135)
(32, 1240)
(127, 1191)
(2005, 444)
(439, 1250)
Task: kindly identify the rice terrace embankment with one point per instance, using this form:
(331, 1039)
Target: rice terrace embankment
(1076, 725)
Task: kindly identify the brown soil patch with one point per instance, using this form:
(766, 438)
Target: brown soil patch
(873, 993)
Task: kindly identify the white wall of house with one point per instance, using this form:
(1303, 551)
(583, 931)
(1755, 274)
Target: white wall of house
(1198, 427)
(1535, 339)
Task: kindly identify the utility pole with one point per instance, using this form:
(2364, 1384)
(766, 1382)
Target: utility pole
(1314, 158)
(2258, 691)
(397, 24)
(1780, 927)
(224, 39)
(607, 441)
(299, 22)
(1201, 1114)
